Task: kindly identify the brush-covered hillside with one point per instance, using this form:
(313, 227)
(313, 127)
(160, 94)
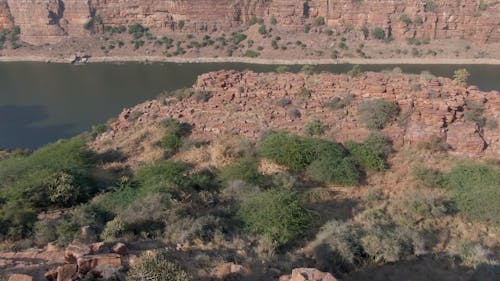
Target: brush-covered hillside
(267, 176)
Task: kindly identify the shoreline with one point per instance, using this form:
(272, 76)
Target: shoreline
(159, 59)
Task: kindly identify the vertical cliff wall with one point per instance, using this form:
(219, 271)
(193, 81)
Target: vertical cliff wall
(5, 17)
(469, 19)
(48, 21)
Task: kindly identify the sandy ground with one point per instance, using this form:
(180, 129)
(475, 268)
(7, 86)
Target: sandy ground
(457, 61)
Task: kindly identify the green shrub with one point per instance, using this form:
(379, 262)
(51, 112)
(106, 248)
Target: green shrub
(330, 169)
(55, 175)
(328, 31)
(435, 144)
(341, 102)
(174, 134)
(430, 5)
(491, 124)
(245, 169)
(297, 153)
(355, 71)
(307, 28)
(369, 159)
(336, 247)
(274, 21)
(114, 229)
(428, 177)
(263, 29)
(274, 44)
(282, 69)
(45, 232)
(405, 19)
(378, 33)
(238, 38)
(98, 130)
(157, 266)
(277, 214)
(475, 191)
(319, 21)
(308, 69)
(137, 30)
(181, 24)
(182, 228)
(251, 54)
(314, 128)
(387, 245)
(378, 112)
(425, 204)
(474, 113)
(163, 177)
(372, 153)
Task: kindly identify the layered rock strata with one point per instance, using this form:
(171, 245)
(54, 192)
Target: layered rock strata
(49, 21)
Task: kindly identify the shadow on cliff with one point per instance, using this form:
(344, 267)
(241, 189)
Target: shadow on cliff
(17, 129)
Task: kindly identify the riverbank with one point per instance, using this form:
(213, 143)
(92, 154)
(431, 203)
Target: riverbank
(361, 61)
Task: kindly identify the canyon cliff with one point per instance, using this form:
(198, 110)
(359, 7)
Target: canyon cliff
(50, 21)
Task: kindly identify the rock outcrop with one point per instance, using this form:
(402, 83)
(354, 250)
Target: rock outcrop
(49, 21)
(249, 104)
(308, 274)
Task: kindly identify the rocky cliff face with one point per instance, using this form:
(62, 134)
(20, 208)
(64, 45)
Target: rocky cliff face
(47, 21)
(249, 104)
(5, 17)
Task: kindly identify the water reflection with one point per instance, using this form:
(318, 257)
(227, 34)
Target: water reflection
(18, 126)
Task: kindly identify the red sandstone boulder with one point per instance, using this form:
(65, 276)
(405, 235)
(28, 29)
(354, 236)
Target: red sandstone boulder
(229, 269)
(76, 250)
(87, 263)
(67, 272)
(120, 249)
(20, 277)
(308, 274)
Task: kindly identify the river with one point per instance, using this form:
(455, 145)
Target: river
(41, 103)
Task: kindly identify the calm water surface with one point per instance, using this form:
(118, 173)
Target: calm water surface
(40, 103)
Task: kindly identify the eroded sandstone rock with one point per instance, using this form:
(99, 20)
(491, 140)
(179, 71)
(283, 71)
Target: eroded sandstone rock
(247, 104)
(308, 274)
(20, 277)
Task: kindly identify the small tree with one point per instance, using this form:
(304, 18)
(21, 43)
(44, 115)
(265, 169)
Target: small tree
(461, 76)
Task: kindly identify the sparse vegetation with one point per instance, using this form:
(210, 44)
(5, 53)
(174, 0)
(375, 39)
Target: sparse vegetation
(155, 267)
(378, 112)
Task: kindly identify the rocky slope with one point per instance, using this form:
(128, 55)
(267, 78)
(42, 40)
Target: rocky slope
(49, 21)
(249, 104)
